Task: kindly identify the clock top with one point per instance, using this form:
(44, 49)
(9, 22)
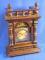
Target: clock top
(31, 13)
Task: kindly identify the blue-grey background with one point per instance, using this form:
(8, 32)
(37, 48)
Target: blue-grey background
(22, 4)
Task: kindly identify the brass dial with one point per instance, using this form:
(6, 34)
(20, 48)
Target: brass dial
(21, 33)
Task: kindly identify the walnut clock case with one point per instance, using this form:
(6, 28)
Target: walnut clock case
(22, 30)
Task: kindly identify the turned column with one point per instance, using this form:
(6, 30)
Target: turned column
(10, 30)
(34, 33)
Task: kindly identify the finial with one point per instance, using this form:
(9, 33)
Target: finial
(36, 5)
(9, 10)
(9, 6)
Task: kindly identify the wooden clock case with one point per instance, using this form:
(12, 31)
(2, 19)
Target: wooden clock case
(19, 17)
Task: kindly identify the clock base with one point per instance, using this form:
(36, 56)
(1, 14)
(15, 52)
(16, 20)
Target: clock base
(27, 50)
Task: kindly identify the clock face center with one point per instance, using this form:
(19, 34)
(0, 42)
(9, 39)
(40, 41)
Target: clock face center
(21, 34)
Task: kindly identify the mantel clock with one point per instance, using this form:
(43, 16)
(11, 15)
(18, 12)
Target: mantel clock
(22, 30)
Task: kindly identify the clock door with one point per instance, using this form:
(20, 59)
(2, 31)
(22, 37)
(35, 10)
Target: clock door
(22, 32)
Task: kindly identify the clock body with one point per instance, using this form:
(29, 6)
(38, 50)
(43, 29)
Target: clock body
(22, 31)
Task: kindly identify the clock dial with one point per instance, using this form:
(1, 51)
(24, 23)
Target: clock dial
(22, 34)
